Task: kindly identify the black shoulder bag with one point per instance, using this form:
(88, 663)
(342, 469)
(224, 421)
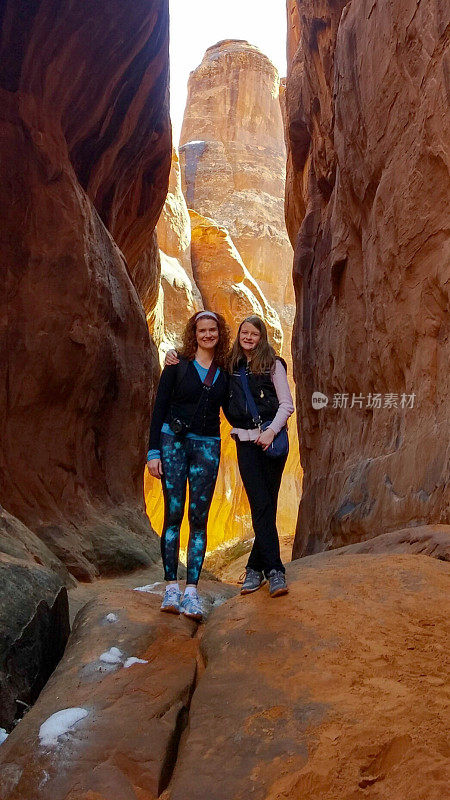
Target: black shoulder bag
(280, 444)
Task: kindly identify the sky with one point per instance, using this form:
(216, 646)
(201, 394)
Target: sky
(195, 25)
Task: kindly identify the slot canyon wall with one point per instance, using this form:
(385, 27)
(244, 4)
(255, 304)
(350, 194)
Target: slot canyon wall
(226, 208)
(85, 159)
(368, 131)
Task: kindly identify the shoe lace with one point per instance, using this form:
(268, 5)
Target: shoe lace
(242, 577)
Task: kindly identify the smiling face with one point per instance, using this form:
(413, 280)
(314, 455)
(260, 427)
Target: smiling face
(249, 337)
(207, 333)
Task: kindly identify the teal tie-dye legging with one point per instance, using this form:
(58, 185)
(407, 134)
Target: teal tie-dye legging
(196, 461)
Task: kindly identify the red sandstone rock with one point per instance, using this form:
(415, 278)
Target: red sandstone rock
(368, 129)
(101, 72)
(337, 687)
(334, 688)
(76, 364)
(429, 540)
(18, 541)
(126, 745)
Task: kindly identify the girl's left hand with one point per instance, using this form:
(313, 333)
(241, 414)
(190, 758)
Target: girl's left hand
(171, 358)
(265, 438)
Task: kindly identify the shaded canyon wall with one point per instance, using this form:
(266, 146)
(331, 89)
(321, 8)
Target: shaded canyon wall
(368, 129)
(85, 159)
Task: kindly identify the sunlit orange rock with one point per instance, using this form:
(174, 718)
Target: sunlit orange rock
(178, 294)
(174, 227)
(232, 157)
(368, 126)
(223, 279)
(226, 285)
(82, 135)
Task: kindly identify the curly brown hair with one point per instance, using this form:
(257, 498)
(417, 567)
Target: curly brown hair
(189, 347)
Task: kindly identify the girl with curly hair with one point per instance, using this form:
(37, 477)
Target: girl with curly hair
(184, 447)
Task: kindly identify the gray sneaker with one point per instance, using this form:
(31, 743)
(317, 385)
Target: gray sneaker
(171, 600)
(191, 606)
(277, 583)
(253, 581)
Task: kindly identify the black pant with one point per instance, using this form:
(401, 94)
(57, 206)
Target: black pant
(261, 476)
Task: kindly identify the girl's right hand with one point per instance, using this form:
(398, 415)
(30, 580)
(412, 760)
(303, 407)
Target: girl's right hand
(171, 358)
(155, 467)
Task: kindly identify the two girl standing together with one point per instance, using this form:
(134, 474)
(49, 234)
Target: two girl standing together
(250, 384)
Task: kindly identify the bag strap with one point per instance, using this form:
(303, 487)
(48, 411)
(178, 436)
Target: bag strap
(209, 378)
(182, 369)
(249, 397)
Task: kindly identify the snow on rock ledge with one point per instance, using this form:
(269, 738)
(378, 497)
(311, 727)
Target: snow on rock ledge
(60, 723)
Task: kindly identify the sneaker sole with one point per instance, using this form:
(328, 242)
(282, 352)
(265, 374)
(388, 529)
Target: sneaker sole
(279, 592)
(170, 610)
(250, 591)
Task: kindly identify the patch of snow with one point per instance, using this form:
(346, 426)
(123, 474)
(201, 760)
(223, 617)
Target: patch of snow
(112, 618)
(112, 656)
(133, 660)
(3, 735)
(58, 724)
(149, 588)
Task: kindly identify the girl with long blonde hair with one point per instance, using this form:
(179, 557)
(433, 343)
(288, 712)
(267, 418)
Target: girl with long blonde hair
(258, 406)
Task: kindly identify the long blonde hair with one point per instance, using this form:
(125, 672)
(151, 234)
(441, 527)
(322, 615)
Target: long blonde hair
(263, 356)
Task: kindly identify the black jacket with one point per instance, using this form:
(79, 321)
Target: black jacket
(188, 400)
(264, 395)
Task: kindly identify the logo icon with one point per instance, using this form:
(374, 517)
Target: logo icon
(319, 400)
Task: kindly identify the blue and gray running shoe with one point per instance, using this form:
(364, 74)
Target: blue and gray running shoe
(253, 581)
(171, 600)
(191, 606)
(277, 583)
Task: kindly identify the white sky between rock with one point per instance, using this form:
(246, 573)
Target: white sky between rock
(198, 24)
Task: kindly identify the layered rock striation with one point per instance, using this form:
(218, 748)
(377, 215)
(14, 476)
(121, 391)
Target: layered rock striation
(368, 130)
(85, 157)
